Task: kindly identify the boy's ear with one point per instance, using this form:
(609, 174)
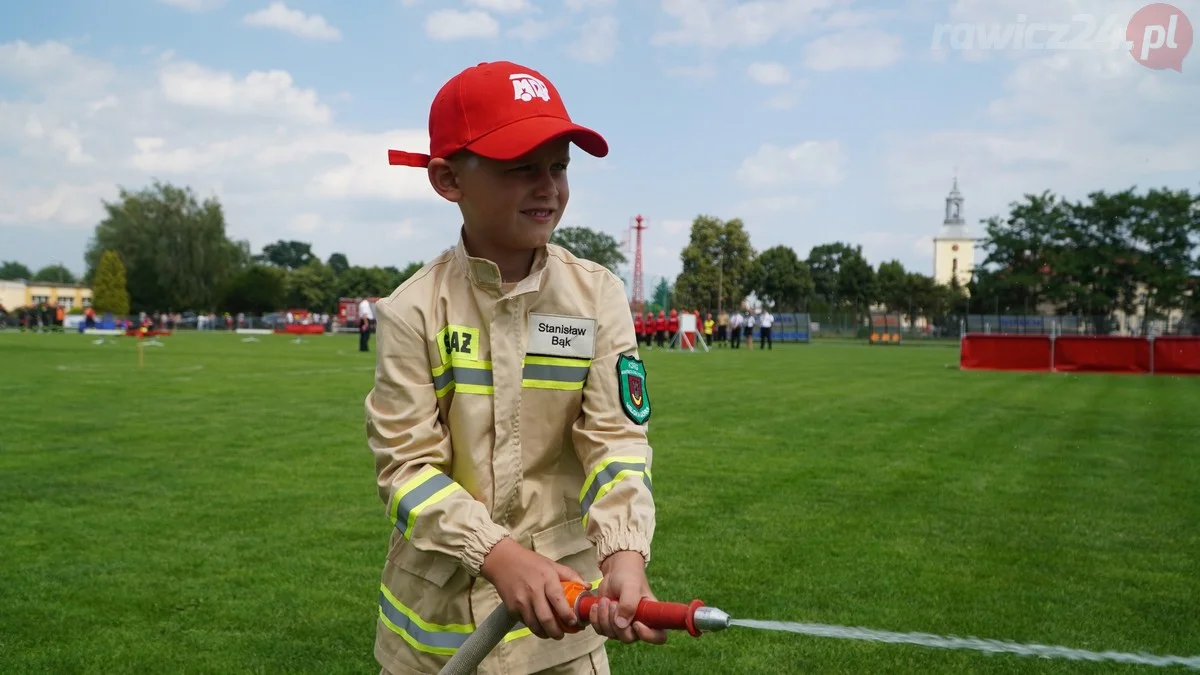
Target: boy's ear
(444, 179)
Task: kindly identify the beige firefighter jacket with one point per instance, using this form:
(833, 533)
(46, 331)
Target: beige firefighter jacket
(500, 413)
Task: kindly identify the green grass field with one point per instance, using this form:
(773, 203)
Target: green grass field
(215, 511)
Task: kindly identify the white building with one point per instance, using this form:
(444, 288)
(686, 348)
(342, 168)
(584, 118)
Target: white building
(954, 247)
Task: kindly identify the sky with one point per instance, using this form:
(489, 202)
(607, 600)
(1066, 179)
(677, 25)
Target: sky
(811, 120)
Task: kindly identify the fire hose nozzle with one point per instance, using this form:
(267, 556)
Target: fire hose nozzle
(694, 617)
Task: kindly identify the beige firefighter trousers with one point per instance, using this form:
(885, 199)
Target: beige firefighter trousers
(595, 663)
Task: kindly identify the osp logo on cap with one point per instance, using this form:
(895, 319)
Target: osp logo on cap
(1159, 36)
(527, 87)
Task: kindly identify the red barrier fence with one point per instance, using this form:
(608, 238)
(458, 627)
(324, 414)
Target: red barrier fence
(1167, 355)
(301, 329)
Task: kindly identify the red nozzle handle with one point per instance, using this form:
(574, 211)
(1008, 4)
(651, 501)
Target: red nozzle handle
(653, 613)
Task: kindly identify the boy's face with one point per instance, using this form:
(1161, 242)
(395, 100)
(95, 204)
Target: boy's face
(513, 205)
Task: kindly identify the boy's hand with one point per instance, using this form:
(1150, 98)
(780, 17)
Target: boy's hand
(623, 587)
(531, 585)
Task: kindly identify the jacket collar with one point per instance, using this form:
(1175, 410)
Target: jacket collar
(486, 274)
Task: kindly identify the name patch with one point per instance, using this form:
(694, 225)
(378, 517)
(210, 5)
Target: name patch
(571, 337)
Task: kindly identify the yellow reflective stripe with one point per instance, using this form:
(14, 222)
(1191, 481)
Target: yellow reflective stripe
(428, 487)
(555, 361)
(607, 475)
(554, 372)
(463, 375)
(517, 634)
(552, 384)
(432, 638)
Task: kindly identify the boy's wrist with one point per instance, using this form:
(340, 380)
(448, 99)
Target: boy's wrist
(620, 559)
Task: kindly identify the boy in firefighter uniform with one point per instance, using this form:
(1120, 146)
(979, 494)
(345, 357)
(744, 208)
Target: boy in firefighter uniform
(508, 411)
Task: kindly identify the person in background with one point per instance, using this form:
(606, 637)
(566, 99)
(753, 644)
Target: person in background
(366, 322)
(748, 331)
(764, 331)
(722, 327)
(708, 328)
(735, 330)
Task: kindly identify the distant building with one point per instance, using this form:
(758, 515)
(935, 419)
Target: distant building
(15, 294)
(954, 247)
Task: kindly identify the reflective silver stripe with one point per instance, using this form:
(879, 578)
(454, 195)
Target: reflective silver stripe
(440, 381)
(479, 376)
(462, 375)
(417, 496)
(534, 371)
(606, 476)
(436, 639)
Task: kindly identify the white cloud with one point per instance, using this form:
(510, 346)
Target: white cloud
(268, 93)
(858, 18)
(597, 41)
(279, 16)
(502, 6)
(701, 73)
(812, 162)
(782, 101)
(277, 171)
(52, 65)
(530, 30)
(451, 24)
(861, 49)
(405, 229)
(789, 203)
(768, 72)
(195, 5)
(726, 23)
(580, 5)
(1071, 121)
(676, 227)
(63, 205)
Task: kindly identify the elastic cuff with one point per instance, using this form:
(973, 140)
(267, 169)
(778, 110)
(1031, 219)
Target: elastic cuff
(624, 540)
(481, 543)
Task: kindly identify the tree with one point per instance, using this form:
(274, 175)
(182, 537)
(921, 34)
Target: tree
(1115, 252)
(257, 289)
(311, 287)
(338, 263)
(583, 242)
(856, 281)
(894, 289)
(13, 270)
(109, 291)
(175, 250)
(660, 299)
(716, 265)
(782, 279)
(54, 273)
(824, 263)
(287, 254)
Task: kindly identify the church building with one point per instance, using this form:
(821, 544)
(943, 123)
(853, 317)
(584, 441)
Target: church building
(954, 247)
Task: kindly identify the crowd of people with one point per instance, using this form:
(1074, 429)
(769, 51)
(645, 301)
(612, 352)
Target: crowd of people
(727, 330)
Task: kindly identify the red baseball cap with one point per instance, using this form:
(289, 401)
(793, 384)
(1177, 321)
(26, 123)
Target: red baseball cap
(499, 110)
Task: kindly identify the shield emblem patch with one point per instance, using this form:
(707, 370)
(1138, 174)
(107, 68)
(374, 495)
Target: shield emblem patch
(631, 382)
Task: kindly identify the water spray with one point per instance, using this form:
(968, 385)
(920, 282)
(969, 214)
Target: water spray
(696, 618)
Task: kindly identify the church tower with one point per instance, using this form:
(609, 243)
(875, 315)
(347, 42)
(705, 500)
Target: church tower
(954, 247)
